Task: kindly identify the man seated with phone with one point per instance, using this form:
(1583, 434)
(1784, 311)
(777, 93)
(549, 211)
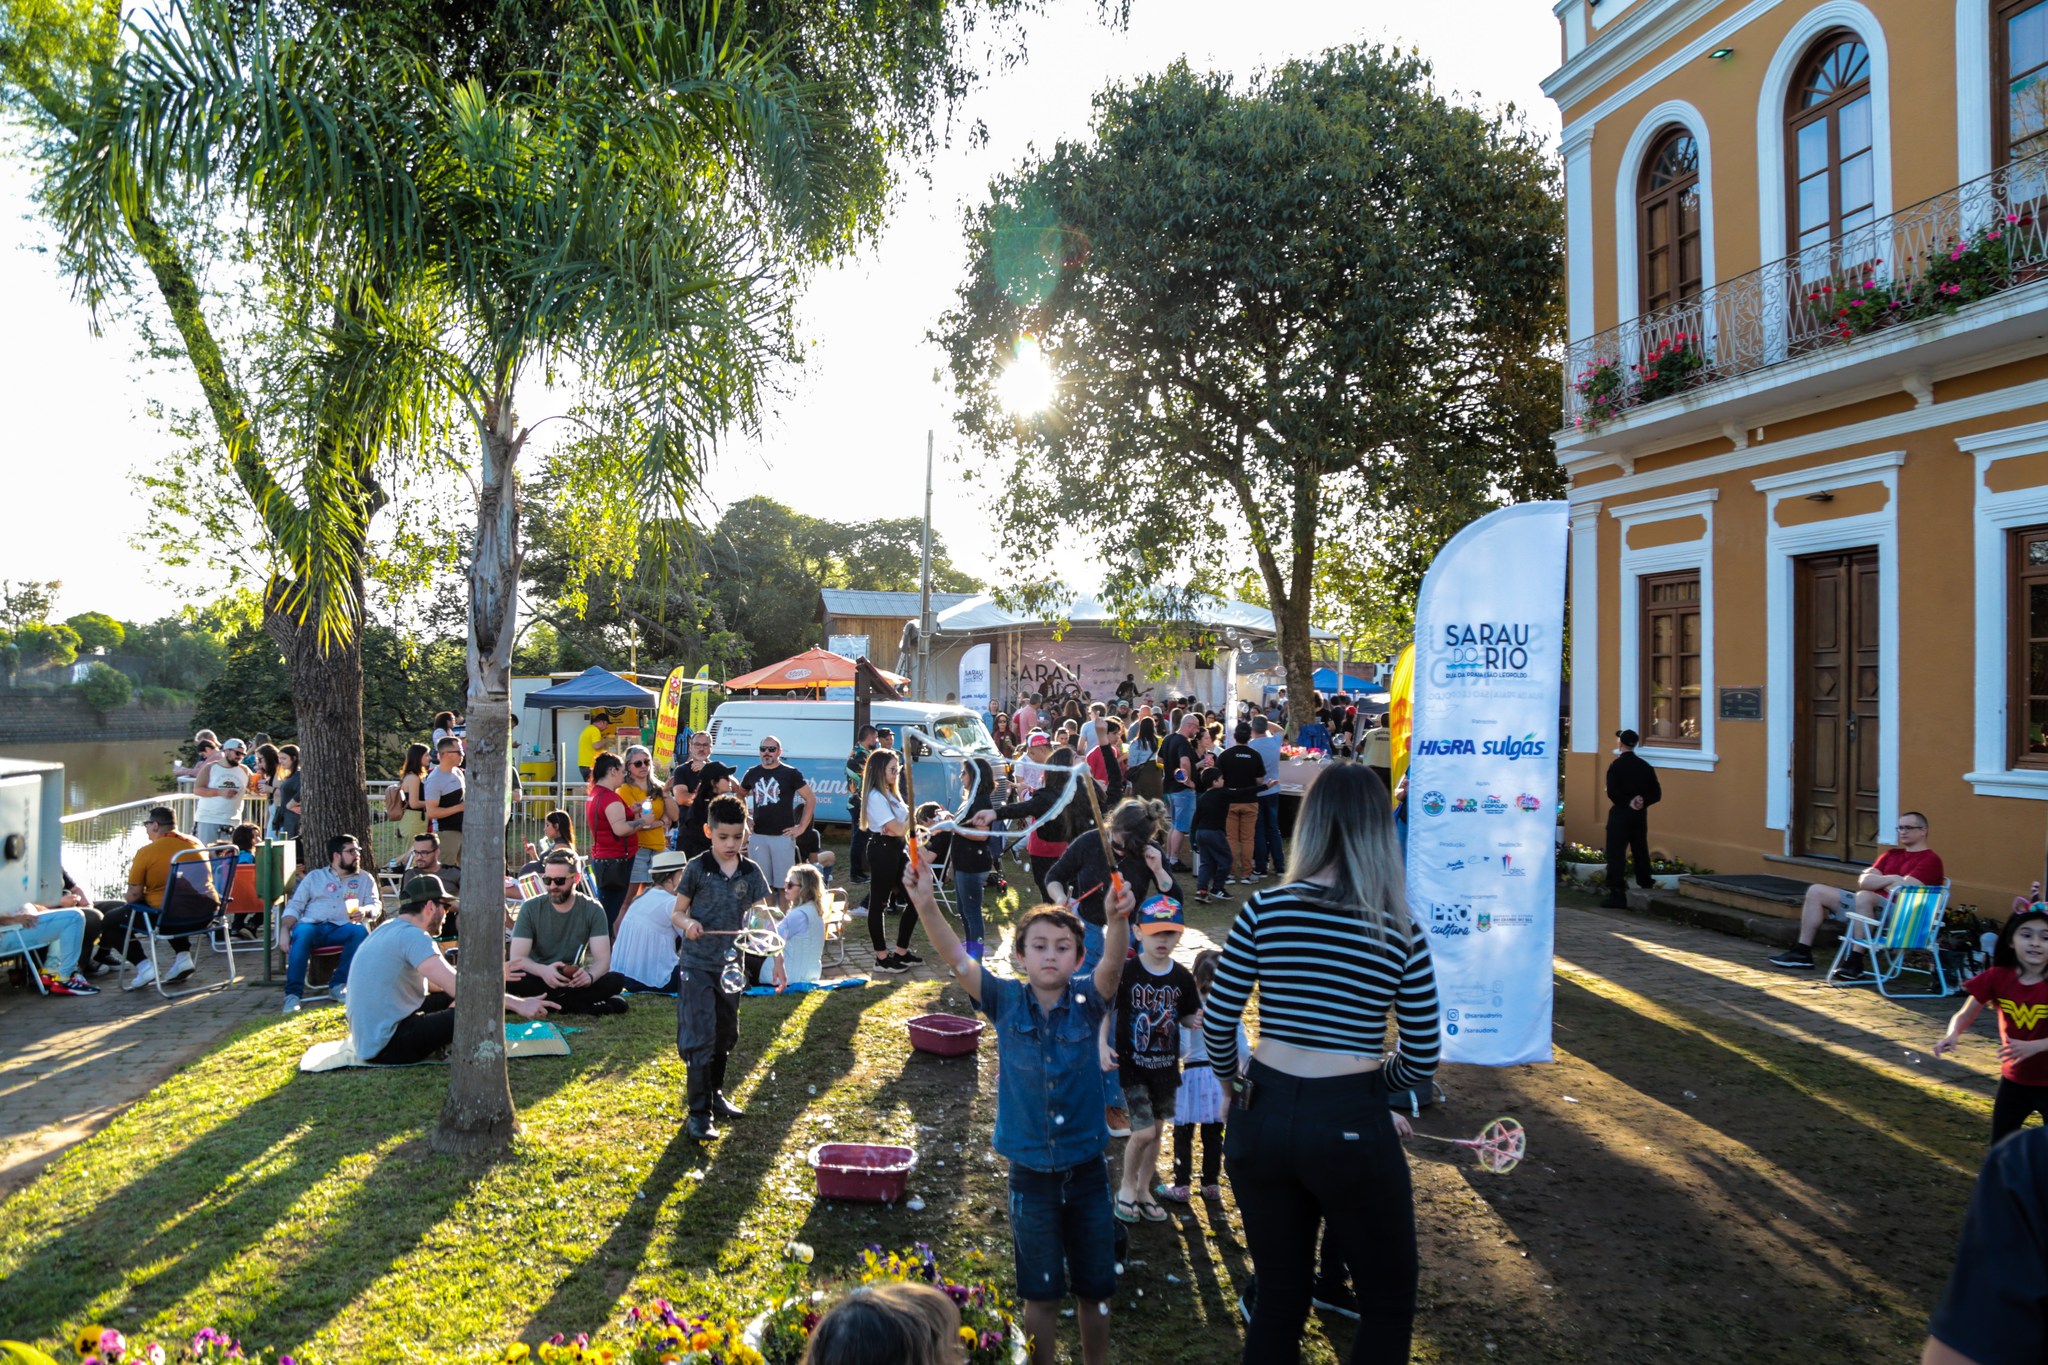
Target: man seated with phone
(556, 929)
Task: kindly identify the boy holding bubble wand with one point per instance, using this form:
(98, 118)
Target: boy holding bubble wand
(1049, 1119)
(713, 897)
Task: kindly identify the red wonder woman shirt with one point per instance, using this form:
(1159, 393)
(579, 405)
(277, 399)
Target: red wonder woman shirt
(2022, 1016)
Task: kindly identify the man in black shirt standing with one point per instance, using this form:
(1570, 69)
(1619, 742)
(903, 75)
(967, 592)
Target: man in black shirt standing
(1177, 758)
(1631, 790)
(782, 805)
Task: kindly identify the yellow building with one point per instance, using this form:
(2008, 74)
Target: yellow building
(1807, 425)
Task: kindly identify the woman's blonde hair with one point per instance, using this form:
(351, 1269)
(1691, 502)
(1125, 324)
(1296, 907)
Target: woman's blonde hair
(810, 884)
(874, 775)
(893, 1323)
(1346, 829)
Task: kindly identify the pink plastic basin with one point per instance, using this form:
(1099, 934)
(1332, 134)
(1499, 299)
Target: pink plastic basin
(870, 1172)
(945, 1035)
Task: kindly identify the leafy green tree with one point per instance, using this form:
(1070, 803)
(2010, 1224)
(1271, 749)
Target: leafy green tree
(1266, 314)
(26, 603)
(43, 643)
(629, 209)
(96, 630)
(105, 688)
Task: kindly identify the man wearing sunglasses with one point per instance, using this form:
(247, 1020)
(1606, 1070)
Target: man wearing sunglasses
(555, 932)
(781, 803)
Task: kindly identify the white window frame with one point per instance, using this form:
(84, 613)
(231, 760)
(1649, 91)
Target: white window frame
(1627, 208)
(1784, 544)
(1994, 517)
(1696, 555)
(1973, 90)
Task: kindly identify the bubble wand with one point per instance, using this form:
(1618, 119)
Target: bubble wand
(1500, 1146)
(1086, 777)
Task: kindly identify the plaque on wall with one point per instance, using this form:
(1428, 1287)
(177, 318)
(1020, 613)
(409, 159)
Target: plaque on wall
(1742, 703)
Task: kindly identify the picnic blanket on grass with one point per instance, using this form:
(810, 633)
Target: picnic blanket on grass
(799, 987)
(531, 1039)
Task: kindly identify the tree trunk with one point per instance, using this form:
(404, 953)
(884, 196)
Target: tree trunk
(327, 699)
(478, 1116)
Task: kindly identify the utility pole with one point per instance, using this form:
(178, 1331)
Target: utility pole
(924, 604)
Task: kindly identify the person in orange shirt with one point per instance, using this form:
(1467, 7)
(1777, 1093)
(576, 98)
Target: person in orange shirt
(148, 875)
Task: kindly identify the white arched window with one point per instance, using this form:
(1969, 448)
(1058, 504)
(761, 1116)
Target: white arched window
(1824, 161)
(1664, 211)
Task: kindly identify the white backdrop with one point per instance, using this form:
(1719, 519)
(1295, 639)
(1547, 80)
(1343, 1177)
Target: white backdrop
(1482, 781)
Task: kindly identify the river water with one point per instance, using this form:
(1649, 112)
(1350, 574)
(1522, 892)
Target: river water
(104, 773)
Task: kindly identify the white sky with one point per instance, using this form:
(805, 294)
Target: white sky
(849, 438)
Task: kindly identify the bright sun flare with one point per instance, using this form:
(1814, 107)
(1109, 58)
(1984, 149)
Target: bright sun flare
(1026, 385)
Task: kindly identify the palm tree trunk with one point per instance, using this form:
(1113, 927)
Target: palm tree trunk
(327, 699)
(478, 1116)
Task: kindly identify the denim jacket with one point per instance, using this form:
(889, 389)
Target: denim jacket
(1049, 1113)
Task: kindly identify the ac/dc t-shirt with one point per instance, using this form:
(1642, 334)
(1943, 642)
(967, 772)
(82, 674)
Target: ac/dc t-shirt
(771, 794)
(1149, 1010)
(2022, 1016)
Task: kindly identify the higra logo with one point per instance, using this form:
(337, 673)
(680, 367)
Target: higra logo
(1432, 803)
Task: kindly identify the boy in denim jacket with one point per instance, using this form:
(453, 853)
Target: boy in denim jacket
(1050, 1123)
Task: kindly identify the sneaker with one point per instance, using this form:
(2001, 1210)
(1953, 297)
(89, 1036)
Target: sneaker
(614, 1005)
(100, 966)
(1336, 1299)
(1119, 1121)
(891, 964)
(340, 993)
(1854, 972)
(909, 957)
(291, 1004)
(1798, 959)
(182, 966)
(145, 975)
(73, 985)
(1248, 1298)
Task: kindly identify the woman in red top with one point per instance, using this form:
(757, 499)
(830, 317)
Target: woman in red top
(2017, 985)
(614, 834)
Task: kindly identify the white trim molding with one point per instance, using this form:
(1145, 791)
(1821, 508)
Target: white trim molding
(1994, 517)
(1782, 546)
(1585, 568)
(1627, 249)
(1695, 554)
(1773, 239)
(1973, 90)
(1578, 230)
(1629, 44)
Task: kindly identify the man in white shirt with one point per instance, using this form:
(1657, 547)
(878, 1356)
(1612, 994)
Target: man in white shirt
(220, 789)
(327, 910)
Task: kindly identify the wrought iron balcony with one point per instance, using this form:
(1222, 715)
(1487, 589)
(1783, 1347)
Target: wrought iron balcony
(1929, 261)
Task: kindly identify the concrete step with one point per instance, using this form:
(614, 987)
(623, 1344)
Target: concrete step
(1775, 929)
(1771, 897)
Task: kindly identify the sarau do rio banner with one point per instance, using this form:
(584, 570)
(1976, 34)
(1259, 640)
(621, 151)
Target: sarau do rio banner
(1482, 779)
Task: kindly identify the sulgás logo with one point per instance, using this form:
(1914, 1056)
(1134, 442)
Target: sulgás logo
(1432, 803)
(1452, 919)
(1528, 746)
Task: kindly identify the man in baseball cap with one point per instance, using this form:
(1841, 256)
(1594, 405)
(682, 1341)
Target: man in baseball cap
(401, 988)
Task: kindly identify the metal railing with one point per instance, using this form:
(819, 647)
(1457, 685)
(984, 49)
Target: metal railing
(388, 842)
(100, 844)
(1932, 258)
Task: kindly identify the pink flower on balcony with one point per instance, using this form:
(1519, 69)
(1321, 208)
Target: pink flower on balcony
(2012, 218)
(1951, 289)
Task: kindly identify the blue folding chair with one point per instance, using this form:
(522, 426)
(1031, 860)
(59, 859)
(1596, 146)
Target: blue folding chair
(195, 905)
(1911, 924)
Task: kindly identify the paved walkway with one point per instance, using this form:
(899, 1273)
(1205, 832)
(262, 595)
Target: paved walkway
(72, 1064)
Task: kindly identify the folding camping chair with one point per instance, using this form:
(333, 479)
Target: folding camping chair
(195, 905)
(834, 913)
(1911, 923)
(14, 943)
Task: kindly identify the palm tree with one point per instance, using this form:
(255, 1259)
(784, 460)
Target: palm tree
(625, 220)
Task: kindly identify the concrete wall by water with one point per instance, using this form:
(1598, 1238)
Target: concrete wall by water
(30, 718)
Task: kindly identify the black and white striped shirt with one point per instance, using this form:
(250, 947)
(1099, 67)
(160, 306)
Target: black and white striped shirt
(1325, 983)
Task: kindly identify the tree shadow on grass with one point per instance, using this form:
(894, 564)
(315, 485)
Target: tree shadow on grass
(242, 1191)
(735, 1166)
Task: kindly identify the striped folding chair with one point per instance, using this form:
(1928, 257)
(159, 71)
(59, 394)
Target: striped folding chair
(1911, 924)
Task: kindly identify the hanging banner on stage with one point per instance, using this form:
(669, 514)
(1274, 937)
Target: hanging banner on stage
(1080, 669)
(700, 701)
(1482, 779)
(974, 678)
(668, 718)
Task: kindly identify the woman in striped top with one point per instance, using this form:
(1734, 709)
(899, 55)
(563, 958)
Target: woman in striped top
(1311, 1137)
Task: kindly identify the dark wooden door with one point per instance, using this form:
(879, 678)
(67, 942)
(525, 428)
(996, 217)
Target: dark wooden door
(1834, 760)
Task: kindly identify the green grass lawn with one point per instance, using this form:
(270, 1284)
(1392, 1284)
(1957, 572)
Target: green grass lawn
(306, 1213)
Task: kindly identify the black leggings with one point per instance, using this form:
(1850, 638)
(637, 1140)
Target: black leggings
(1184, 1152)
(888, 859)
(1314, 1150)
(2011, 1105)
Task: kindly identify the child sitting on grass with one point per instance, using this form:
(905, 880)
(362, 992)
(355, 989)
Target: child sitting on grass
(2017, 983)
(1155, 998)
(1050, 1123)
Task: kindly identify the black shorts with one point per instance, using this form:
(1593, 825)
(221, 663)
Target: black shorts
(1149, 1095)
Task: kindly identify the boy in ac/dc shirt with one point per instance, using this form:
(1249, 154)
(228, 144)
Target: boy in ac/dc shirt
(2017, 987)
(1155, 997)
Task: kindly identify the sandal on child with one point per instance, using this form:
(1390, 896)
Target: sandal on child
(1177, 1193)
(1126, 1211)
(1151, 1212)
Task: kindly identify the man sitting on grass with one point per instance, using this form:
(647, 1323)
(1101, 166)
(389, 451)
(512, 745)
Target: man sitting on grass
(399, 1010)
(554, 930)
(1912, 863)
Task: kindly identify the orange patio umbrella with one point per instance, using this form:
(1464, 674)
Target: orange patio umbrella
(810, 669)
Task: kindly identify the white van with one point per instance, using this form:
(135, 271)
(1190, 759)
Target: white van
(817, 736)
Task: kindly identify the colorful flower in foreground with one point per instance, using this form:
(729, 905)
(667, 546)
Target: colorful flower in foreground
(112, 1343)
(88, 1340)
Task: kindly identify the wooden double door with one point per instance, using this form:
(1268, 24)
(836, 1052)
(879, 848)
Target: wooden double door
(1836, 707)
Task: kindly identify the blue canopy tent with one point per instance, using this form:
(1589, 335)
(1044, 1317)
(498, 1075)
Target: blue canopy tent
(593, 687)
(1325, 680)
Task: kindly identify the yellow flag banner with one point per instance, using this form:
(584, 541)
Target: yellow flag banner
(1401, 710)
(668, 719)
(700, 701)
